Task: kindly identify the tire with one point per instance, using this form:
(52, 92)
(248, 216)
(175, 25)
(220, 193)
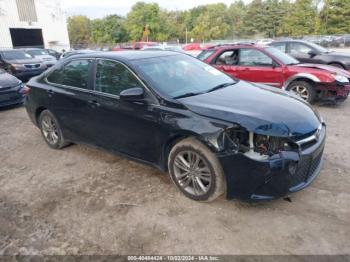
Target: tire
(337, 65)
(211, 177)
(306, 90)
(51, 131)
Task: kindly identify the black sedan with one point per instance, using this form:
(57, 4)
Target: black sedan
(212, 133)
(12, 90)
(308, 52)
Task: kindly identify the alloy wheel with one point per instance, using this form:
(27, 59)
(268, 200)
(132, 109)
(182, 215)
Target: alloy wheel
(49, 130)
(192, 173)
(301, 91)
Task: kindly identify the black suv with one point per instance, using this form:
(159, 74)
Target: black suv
(21, 64)
(308, 52)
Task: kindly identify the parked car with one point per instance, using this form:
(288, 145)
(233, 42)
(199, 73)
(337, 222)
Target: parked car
(41, 54)
(264, 41)
(270, 66)
(21, 64)
(212, 133)
(12, 90)
(173, 48)
(308, 52)
(54, 53)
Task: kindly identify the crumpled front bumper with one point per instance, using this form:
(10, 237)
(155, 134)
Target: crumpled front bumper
(337, 92)
(253, 180)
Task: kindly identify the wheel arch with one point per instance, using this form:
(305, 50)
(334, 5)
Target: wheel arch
(302, 77)
(38, 111)
(172, 141)
(337, 63)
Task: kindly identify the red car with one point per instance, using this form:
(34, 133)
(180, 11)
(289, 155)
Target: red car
(268, 65)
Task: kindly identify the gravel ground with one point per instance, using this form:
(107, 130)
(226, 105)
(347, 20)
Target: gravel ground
(84, 201)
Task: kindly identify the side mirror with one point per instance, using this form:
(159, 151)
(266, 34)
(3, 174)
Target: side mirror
(132, 94)
(312, 53)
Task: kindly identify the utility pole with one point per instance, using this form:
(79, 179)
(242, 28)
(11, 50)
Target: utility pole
(186, 35)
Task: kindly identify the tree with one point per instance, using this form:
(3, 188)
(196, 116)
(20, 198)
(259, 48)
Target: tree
(109, 30)
(237, 14)
(213, 23)
(335, 16)
(301, 18)
(79, 29)
(142, 15)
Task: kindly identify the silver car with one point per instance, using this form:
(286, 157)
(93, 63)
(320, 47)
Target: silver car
(43, 55)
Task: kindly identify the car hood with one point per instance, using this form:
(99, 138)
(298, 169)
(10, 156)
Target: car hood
(332, 69)
(258, 108)
(7, 80)
(24, 61)
(45, 57)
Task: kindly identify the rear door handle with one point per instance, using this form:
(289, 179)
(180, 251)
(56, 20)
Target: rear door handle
(94, 103)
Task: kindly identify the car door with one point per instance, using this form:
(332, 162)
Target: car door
(129, 127)
(256, 66)
(70, 99)
(303, 52)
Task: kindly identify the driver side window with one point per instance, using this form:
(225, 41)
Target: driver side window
(297, 48)
(228, 58)
(253, 57)
(113, 77)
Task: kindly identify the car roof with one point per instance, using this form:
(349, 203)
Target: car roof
(290, 41)
(7, 50)
(127, 55)
(226, 47)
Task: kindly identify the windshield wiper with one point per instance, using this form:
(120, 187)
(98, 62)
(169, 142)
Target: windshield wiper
(221, 86)
(187, 95)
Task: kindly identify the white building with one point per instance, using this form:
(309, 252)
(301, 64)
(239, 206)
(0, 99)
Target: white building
(33, 23)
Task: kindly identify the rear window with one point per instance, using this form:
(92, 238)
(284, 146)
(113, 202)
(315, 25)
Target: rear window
(205, 54)
(75, 74)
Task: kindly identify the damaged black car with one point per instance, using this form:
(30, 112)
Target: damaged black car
(214, 134)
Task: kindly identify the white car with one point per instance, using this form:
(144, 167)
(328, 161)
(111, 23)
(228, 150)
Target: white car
(264, 42)
(43, 55)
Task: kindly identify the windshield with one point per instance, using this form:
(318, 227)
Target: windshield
(177, 75)
(283, 57)
(14, 55)
(318, 47)
(205, 54)
(37, 52)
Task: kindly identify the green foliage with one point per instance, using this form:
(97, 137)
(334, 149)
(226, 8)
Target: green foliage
(301, 18)
(336, 16)
(79, 29)
(264, 18)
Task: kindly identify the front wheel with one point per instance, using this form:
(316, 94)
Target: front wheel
(196, 171)
(303, 89)
(51, 131)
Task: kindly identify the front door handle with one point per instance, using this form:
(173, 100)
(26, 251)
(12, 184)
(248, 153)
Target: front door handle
(94, 103)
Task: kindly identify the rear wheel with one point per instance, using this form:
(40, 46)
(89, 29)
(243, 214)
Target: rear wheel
(196, 171)
(51, 131)
(303, 89)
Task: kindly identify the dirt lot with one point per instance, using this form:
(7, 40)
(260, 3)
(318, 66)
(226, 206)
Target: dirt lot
(84, 201)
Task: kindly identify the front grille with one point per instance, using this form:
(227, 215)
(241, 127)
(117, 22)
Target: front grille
(306, 169)
(32, 66)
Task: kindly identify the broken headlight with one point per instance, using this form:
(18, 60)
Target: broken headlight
(248, 142)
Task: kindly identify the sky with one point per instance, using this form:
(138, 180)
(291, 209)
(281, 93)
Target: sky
(101, 8)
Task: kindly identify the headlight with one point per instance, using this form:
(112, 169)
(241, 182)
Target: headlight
(17, 66)
(340, 78)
